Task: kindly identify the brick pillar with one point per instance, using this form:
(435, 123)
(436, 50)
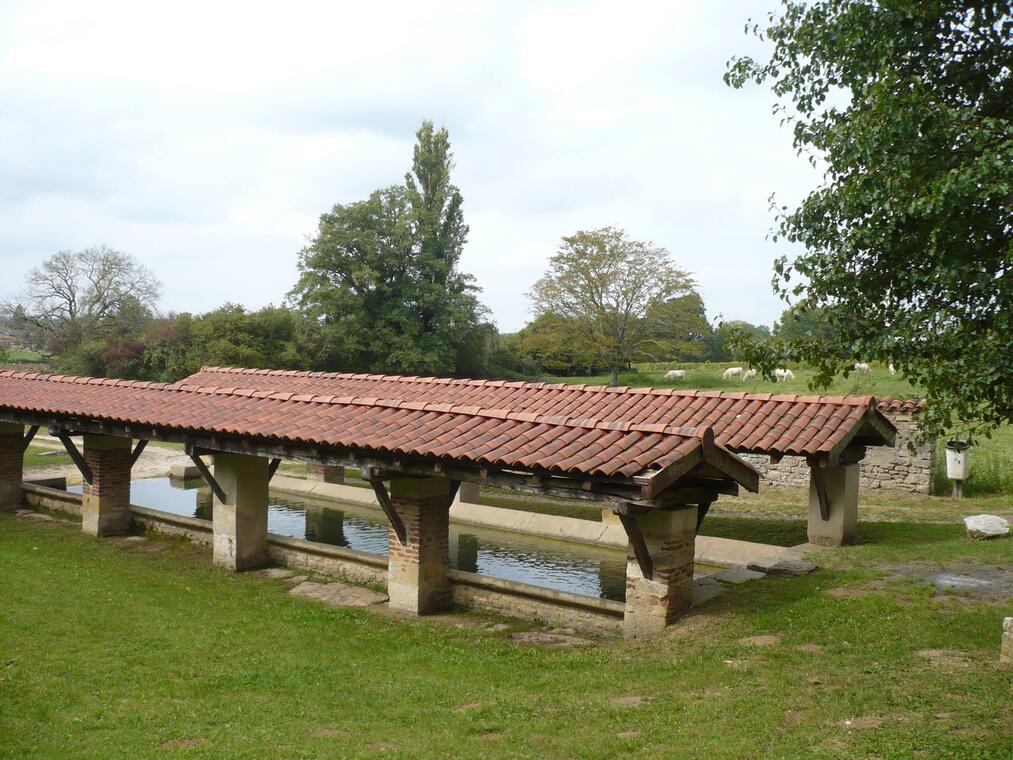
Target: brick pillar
(328, 473)
(417, 570)
(240, 522)
(105, 504)
(12, 463)
(842, 493)
(468, 493)
(652, 604)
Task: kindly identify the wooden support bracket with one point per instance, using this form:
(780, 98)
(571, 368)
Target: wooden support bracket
(388, 509)
(28, 437)
(637, 541)
(208, 477)
(74, 454)
(138, 450)
(701, 512)
(272, 468)
(819, 481)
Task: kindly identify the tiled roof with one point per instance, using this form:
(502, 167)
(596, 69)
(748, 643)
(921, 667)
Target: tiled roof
(466, 433)
(907, 405)
(762, 423)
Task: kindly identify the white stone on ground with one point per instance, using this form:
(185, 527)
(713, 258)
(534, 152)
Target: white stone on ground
(986, 526)
(339, 594)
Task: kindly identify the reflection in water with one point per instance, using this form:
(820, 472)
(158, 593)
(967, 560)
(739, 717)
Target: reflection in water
(579, 569)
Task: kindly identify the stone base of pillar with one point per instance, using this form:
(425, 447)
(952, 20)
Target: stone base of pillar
(105, 504)
(240, 522)
(468, 493)
(651, 604)
(11, 465)
(841, 484)
(328, 473)
(417, 571)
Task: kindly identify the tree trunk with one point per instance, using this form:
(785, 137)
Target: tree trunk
(614, 376)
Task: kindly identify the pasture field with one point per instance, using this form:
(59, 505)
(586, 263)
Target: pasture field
(991, 459)
(143, 649)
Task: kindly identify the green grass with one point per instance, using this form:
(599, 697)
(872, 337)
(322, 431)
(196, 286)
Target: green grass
(707, 376)
(139, 650)
(37, 457)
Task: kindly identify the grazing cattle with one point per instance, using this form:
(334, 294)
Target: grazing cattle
(675, 374)
(750, 374)
(892, 370)
(732, 372)
(861, 367)
(784, 375)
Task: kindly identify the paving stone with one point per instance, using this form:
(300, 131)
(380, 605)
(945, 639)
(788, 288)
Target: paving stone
(786, 567)
(737, 575)
(276, 572)
(705, 589)
(339, 594)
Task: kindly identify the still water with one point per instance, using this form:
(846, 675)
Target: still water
(579, 569)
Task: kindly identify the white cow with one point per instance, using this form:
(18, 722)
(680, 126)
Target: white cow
(675, 374)
(732, 372)
(784, 375)
(861, 367)
(892, 369)
(750, 374)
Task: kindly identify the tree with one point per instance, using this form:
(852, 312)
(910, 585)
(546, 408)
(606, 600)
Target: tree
(679, 329)
(724, 348)
(83, 295)
(381, 277)
(608, 286)
(908, 241)
(799, 322)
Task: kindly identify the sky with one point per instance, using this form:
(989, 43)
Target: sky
(205, 139)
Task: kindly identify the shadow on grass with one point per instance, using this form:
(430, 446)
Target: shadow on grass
(776, 532)
(793, 532)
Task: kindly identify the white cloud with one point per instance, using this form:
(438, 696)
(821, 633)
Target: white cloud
(206, 138)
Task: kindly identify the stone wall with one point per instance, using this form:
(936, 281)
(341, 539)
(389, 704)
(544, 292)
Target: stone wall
(890, 469)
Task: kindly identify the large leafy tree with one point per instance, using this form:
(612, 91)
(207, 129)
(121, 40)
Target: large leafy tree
(382, 280)
(907, 242)
(609, 287)
(679, 329)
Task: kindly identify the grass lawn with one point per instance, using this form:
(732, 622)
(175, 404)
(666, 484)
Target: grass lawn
(142, 649)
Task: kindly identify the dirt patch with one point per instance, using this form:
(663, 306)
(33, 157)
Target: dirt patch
(764, 640)
(326, 733)
(863, 723)
(693, 625)
(634, 700)
(810, 648)
(627, 734)
(176, 744)
(945, 658)
(549, 639)
(989, 584)
(468, 707)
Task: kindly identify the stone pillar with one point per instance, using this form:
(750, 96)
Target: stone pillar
(328, 473)
(652, 604)
(12, 463)
(1006, 645)
(240, 522)
(842, 493)
(417, 571)
(105, 504)
(468, 493)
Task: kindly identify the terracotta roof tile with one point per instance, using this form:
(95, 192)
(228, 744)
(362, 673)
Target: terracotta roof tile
(745, 422)
(358, 413)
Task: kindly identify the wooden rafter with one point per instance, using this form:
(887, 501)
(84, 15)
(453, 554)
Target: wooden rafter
(636, 536)
(26, 441)
(75, 456)
(208, 477)
(138, 450)
(388, 509)
(272, 468)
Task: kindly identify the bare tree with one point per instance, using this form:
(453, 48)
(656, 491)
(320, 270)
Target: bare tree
(609, 285)
(80, 290)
